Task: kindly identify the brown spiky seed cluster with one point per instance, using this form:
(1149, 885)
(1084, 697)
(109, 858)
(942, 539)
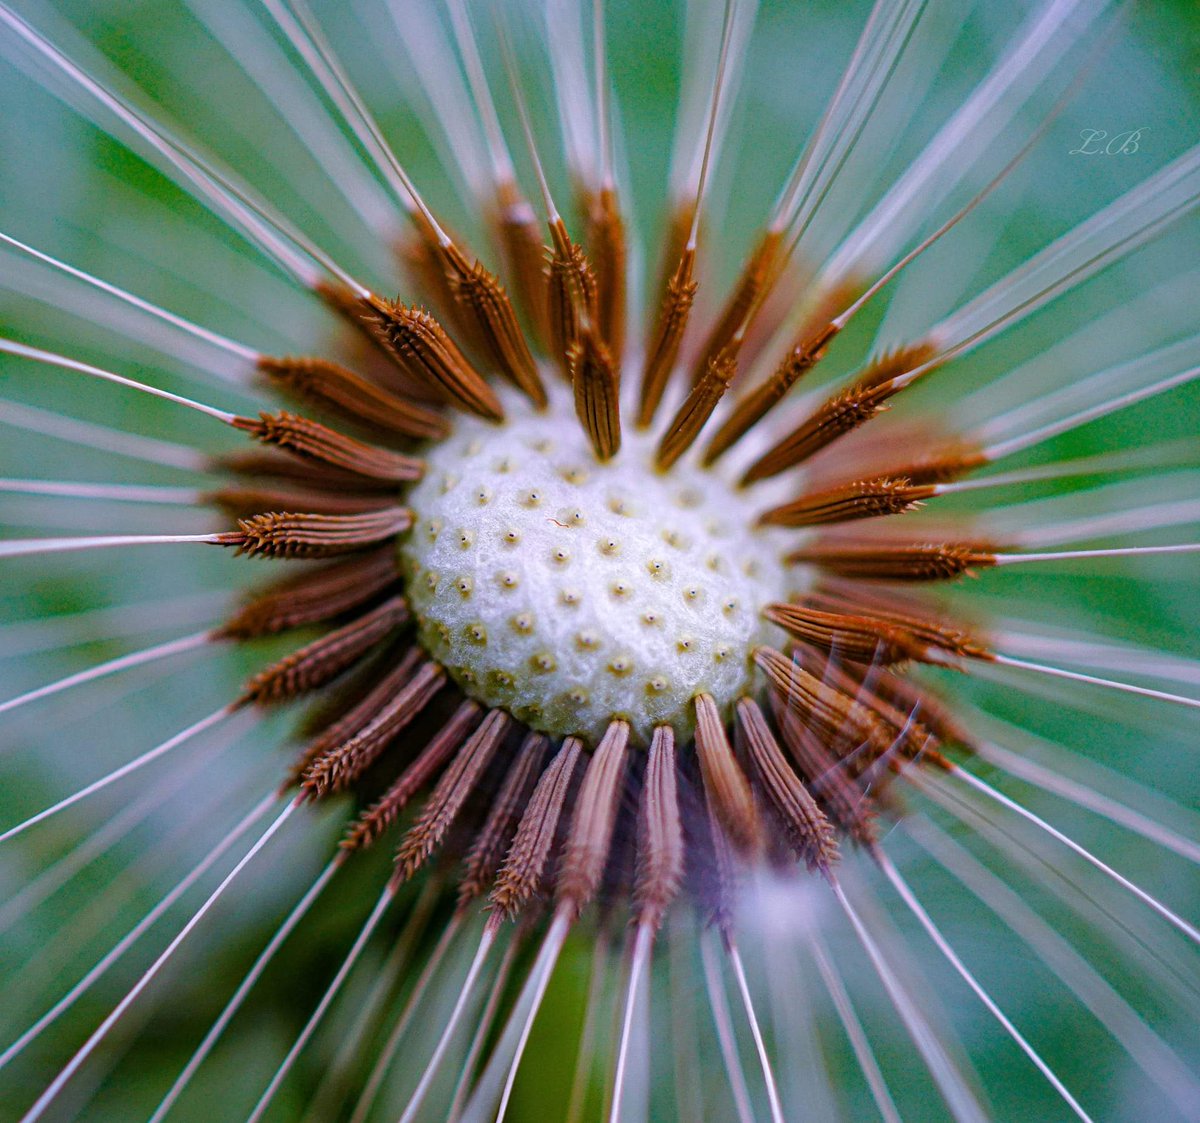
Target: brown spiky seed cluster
(802, 758)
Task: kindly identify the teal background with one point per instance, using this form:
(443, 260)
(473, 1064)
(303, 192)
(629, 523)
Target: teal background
(69, 189)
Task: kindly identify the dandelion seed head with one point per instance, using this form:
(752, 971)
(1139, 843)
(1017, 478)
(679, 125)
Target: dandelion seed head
(619, 570)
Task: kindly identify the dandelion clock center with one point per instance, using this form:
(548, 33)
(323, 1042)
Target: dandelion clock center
(570, 591)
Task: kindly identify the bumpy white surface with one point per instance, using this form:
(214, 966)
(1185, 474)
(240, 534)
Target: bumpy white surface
(570, 592)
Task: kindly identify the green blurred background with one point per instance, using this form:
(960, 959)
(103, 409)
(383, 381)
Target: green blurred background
(66, 187)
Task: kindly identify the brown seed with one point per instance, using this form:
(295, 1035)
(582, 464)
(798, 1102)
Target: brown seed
(331, 385)
(314, 441)
(840, 415)
(280, 534)
(332, 731)
(449, 795)
(934, 561)
(697, 408)
(349, 306)
(314, 596)
(525, 865)
(267, 464)
(810, 832)
(525, 254)
(725, 785)
(892, 364)
(597, 386)
(679, 233)
(942, 466)
(422, 347)
(324, 659)
(341, 299)
(861, 499)
(605, 237)
(481, 299)
(660, 837)
(830, 713)
(340, 766)
(858, 638)
(571, 299)
(742, 302)
(586, 851)
(831, 781)
(667, 335)
(924, 639)
(758, 403)
(373, 822)
(243, 502)
(488, 850)
(420, 253)
(864, 399)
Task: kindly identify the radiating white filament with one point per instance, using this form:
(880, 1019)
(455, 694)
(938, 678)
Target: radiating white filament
(59, 1082)
(926, 922)
(49, 358)
(285, 929)
(147, 757)
(111, 667)
(331, 992)
(1167, 914)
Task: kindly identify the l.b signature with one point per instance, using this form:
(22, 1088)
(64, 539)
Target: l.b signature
(1098, 142)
